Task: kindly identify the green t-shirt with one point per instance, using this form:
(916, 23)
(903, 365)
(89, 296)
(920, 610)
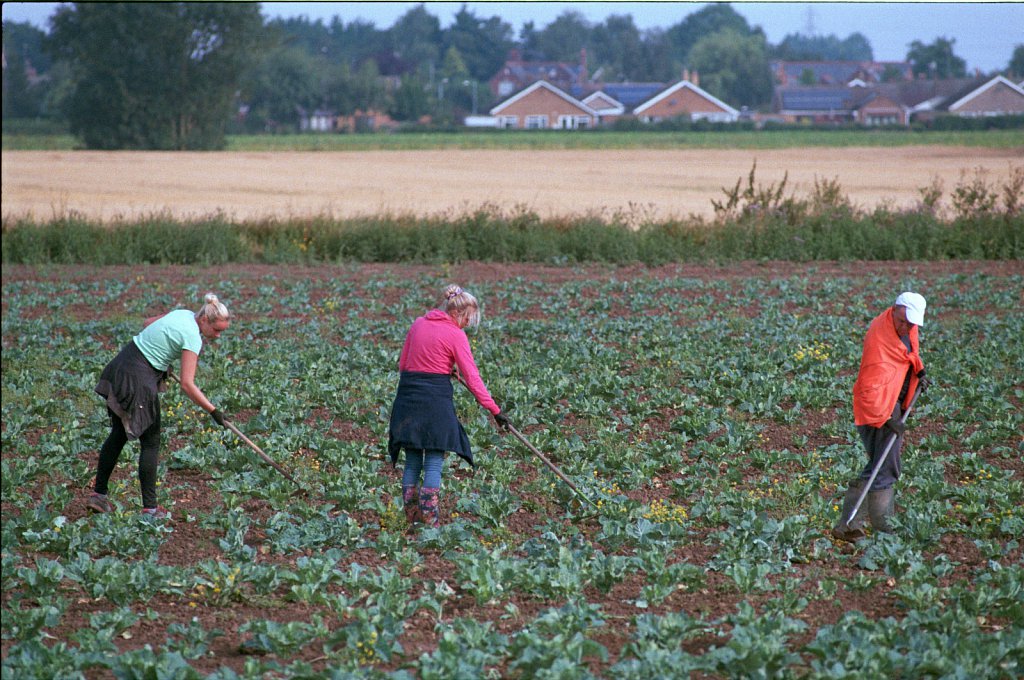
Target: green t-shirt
(162, 341)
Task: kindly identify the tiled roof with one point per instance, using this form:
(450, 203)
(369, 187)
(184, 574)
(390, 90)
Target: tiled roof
(816, 98)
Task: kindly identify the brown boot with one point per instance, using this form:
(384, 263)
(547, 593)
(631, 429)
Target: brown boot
(411, 502)
(853, 531)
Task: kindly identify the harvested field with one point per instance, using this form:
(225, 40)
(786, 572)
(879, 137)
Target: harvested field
(649, 184)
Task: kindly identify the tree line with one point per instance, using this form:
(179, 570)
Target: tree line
(181, 75)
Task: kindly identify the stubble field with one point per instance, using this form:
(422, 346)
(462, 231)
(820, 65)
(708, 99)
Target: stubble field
(650, 184)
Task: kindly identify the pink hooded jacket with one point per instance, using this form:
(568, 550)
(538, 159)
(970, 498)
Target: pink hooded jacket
(434, 344)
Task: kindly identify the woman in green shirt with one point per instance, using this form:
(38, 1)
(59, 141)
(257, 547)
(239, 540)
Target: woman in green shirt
(131, 384)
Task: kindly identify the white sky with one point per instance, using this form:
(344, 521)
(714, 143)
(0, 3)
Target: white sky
(985, 32)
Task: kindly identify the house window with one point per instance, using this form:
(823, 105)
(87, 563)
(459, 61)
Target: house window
(881, 120)
(505, 88)
(536, 122)
(508, 122)
(567, 122)
(582, 122)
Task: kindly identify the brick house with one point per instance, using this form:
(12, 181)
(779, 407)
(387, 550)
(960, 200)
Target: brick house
(685, 99)
(517, 74)
(542, 106)
(997, 97)
(899, 103)
(615, 100)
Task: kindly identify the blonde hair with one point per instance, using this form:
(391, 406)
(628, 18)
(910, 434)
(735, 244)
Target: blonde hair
(461, 305)
(212, 309)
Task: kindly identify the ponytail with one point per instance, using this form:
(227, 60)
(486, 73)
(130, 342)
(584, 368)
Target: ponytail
(213, 309)
(461, 305)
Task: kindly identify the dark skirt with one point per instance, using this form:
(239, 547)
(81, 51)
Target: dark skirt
(132, 389)
(423, 417)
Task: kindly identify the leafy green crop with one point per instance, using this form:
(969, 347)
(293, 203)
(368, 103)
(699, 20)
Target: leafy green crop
(704, 410)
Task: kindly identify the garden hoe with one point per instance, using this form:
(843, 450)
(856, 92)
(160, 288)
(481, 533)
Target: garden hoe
(881, 459)
(554, 468)
(270, 461)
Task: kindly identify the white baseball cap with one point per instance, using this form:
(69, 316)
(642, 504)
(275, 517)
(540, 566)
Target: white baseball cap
(915, 305)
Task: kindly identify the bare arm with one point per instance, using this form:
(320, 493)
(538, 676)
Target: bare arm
(189, 361)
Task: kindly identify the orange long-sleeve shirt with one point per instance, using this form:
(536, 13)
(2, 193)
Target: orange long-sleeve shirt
(883, 368)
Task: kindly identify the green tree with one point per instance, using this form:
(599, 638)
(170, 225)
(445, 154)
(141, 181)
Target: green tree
(154, 75)
(797, 47)
(416, 37)
(1016, 66)
(481, 43)
(734, 67)
(715, 17)
(618, 49)
(283, 80)
(936, 61)
(411, 100)
(563, 38)
(23, 98)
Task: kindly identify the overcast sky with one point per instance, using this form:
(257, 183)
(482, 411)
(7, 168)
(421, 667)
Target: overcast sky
(985, 32)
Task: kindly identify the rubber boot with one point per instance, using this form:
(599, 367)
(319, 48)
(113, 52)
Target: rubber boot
(881, 506)
(411, 502)
(854, 530)
(429, 506)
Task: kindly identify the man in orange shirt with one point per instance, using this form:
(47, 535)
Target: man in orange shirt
(890, 370)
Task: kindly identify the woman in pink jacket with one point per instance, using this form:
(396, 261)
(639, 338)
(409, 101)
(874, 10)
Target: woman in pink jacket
(423, 420)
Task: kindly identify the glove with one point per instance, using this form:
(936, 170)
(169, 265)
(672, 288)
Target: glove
(896, 426)
(503, 422)
(218, 417)
(923, 381)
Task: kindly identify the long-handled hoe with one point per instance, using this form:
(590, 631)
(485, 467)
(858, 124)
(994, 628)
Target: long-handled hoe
(881, 459)
(544, 459)
(270, 461)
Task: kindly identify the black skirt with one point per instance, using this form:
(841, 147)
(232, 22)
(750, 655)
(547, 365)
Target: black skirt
(132, 389)
(423, 417)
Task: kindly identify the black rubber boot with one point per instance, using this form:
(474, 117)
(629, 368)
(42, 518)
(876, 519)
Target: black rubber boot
(854, 530)
(881, 506)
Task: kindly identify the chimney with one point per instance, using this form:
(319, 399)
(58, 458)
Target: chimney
(686, 74)
(583, 66)
(695, 78)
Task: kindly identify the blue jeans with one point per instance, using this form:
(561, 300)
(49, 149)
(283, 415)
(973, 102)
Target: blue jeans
(427, 462)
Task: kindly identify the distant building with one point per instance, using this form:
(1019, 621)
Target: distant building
(899, 103)
(813, 73)
(517, 74)
(542, 105)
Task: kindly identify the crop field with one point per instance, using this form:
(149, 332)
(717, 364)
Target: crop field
(641, 184)
(704, 409)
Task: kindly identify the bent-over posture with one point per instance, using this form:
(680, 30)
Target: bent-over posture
(131, 384)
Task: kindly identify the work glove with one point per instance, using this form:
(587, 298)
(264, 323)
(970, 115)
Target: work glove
(923, 381)
(218, 417)
(896, 426)
(503, 422)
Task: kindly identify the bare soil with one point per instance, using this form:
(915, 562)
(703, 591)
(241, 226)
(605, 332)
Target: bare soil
(640, 184)
(714, 598)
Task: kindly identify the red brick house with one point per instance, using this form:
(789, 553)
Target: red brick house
(899, 103)
(517, 74)
(541, 106)
(685, 99)
(997, 97)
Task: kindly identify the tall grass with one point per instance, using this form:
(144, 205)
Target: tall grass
(752, 222)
